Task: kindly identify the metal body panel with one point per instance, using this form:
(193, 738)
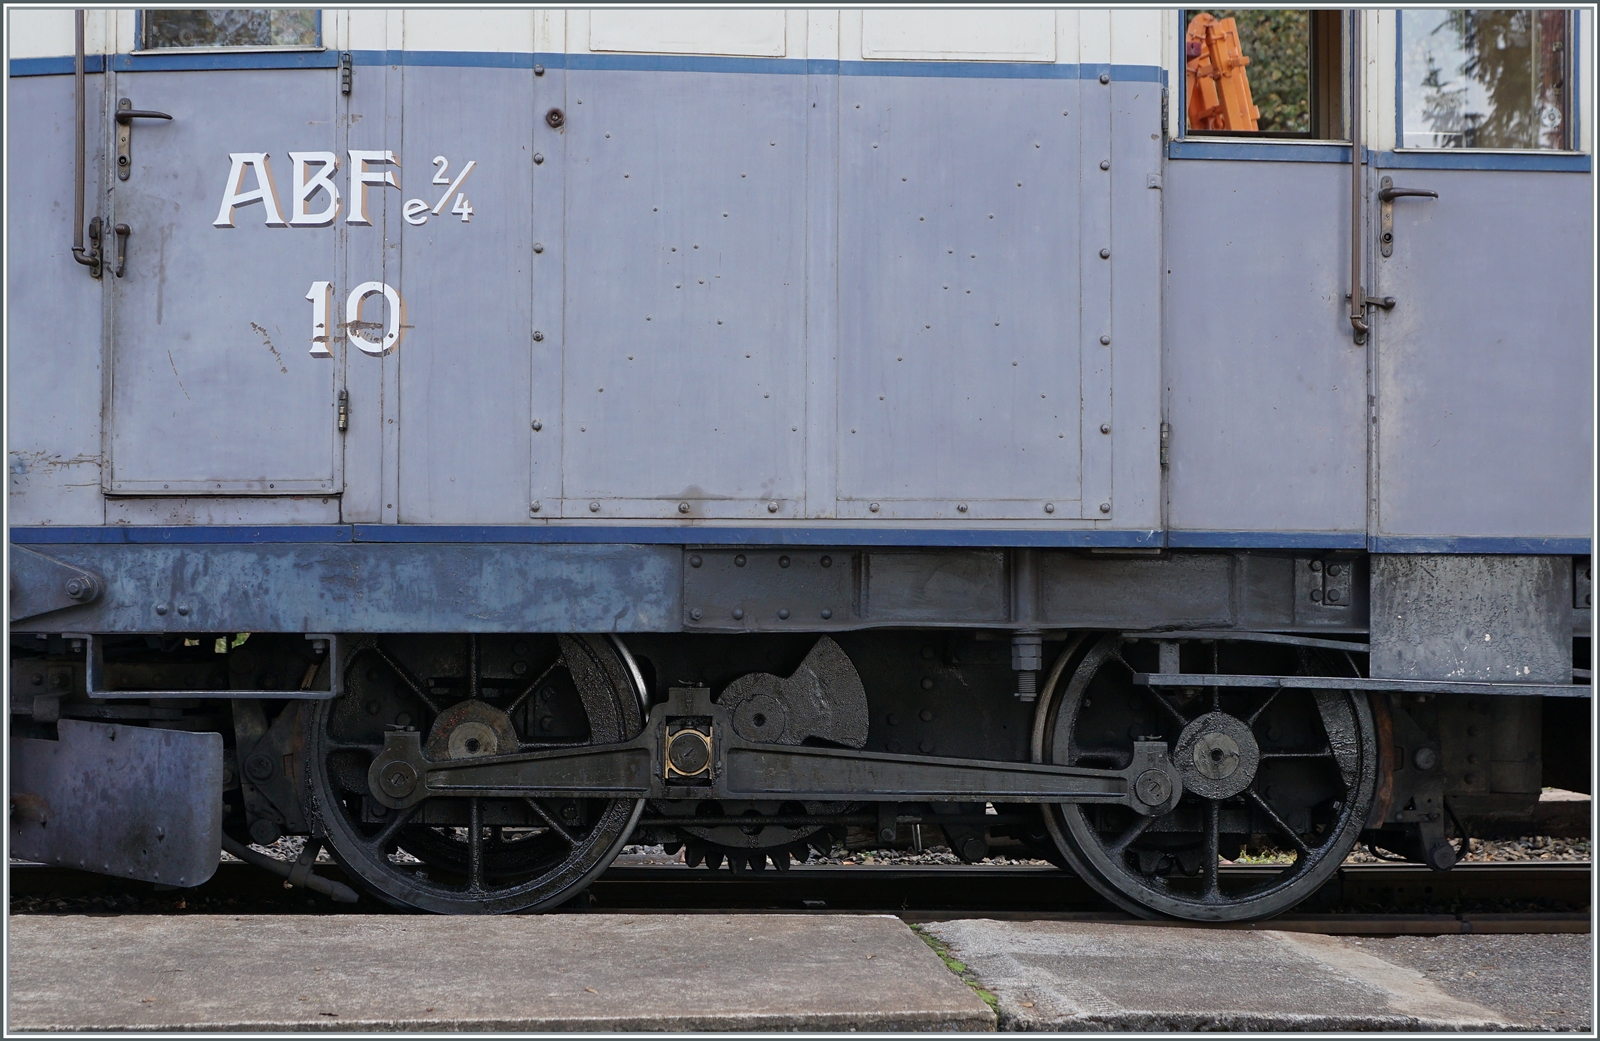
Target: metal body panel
(134, 802)
(1504, 619)
(465, 371)
(684, 360)
(201, 310)
(53, 317)
(960, 294)
(1266, 392)
(1485, 367)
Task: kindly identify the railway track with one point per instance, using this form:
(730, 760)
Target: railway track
(1361, 899)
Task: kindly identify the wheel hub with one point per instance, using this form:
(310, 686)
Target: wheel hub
(1217, 756)
(470, 730)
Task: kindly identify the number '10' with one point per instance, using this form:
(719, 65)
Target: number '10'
(321, 297)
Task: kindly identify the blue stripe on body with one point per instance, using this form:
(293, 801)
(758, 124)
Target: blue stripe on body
(1457, 160)
(1576, 547)
(1311, 540)
(328, 59)
(1257, 151)
(661, 535)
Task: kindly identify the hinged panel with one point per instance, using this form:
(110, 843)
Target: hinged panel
(213, 386)
(959, 294)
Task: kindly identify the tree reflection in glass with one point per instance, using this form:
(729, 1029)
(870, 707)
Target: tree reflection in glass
(230, 27)
(1483, 79)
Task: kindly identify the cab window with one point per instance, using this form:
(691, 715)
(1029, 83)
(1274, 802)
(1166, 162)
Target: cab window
(256, 28)
(1252, 73)
(1485, 79)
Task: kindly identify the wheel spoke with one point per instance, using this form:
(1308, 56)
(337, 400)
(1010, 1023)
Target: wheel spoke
(516, 702)
(405, 677)
(1250, 720)
(381, 840)
(474, 667)
(474, 846)
(351, 746)
(550, 822)
(1126, 839)
(1278, 822)
(1213, 841)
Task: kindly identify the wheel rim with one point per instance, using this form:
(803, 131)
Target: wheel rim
(468, 855)
(1295, 766)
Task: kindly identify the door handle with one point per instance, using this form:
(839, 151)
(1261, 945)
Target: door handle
(126, 114)
(1387, 193)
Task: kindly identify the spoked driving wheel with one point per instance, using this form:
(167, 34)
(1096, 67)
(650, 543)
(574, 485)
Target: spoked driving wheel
(1284, 772)
(473, 696)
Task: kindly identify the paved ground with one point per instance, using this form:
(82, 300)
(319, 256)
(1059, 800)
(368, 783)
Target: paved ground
(1089, 976)
(533, 973)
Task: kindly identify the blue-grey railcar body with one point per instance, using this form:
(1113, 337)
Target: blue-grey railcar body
(767, 401)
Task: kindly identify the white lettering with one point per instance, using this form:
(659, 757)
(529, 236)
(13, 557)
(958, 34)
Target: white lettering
(415, 211)
(263, 192)
(361, 178)
(395, 328)
(305, 190)
(321, 297)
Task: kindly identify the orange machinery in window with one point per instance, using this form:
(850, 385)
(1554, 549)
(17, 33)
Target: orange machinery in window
(1217, 87)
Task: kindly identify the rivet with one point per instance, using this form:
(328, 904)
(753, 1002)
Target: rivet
(1105, 428)
(538, 336)
(783, 561)
(695, 561)
(926, 715)
(873, 507)
(695, 614)
(783, 613)
(1105, 164)
(738, 613)
(927, 683)
(183, 609)
(594, 507)
(1105, 77)
(1105, 341)
(538, 70)
(683, 507)
(1105, 254)
(535, 506)
(826, 561)
(161, 609)
(1049, 507)
(1105, 507)
(827, 612)
(961, 507)
(538, 157)
(738, 561)
(538, 247)
(537, 425)
(772, 507)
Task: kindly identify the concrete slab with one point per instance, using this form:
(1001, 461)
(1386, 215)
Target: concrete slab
(1091, 976)
(525, 973)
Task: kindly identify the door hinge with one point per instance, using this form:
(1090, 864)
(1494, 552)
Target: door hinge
(1166, 439)
(344, 411)
(347, 73)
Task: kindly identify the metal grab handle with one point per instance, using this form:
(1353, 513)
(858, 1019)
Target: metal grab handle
(90, 258)
(123, 231)
(124, 115)
(1386, 194)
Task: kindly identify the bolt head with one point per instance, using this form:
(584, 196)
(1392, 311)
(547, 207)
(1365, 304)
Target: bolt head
(399, 780)
(1105, 507)
(961, 507)
(594, 507)
(1425, 759)
(1105, 164)
(1105, 428)
(683, 507)
(873, 507)
(694, 615)
(1049, 507)
(1105, 254)
(1105, 77)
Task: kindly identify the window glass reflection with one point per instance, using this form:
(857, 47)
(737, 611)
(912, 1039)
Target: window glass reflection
(1483, 79)
(234, 27)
